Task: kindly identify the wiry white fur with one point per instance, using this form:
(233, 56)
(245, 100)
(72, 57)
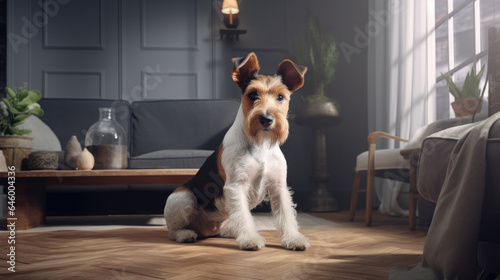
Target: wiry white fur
(179, 210)
(252, 172)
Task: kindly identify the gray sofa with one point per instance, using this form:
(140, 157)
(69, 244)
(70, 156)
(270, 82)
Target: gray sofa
(161, 134)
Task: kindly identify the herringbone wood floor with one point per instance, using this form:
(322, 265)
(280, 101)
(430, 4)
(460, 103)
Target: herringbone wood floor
(348, 251)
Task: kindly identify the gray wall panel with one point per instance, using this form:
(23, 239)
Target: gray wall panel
(61, 84)
(77, 25)
(172, 41)
(80, 43)
(161, 19)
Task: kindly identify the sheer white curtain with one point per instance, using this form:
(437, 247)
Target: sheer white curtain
(401, 78)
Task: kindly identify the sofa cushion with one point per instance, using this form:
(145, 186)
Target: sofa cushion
(180, 124)
(170, 159)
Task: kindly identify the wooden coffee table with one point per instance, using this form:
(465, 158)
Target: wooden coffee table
(30, 186)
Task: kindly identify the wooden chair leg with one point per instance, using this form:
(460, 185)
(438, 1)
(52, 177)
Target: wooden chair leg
(370, 177)
(354, 196)
(369, 205)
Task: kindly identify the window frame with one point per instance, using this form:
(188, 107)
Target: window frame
(478, 54)
(452, 68)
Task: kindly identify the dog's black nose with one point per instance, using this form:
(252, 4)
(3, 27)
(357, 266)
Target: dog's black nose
(266, 120)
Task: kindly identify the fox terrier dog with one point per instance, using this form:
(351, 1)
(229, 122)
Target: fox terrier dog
(246, 169)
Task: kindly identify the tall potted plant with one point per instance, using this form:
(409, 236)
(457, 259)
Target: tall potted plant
(320, 54)
(468, 97)
(14, 110)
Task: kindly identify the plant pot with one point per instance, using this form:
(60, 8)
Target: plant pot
(16, 150)
(318, 114)
(466, 106)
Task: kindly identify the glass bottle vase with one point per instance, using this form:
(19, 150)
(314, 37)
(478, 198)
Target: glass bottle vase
(107, 141)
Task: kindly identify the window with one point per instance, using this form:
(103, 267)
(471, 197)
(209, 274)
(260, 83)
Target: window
(461, 42)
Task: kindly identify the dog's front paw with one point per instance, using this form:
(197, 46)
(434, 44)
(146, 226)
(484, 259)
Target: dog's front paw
(184, 236)
(297, 242)
(252, 242)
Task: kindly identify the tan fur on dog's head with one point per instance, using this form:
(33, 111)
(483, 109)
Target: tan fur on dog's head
(265, 99)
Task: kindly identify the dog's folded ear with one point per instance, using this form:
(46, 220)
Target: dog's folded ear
(244, 70)
(292, 75)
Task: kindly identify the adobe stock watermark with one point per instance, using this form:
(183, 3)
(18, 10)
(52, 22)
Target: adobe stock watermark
(11, 218)
(31, 28)
(379, 20)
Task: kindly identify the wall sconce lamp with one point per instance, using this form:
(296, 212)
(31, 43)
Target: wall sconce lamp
(230, 10)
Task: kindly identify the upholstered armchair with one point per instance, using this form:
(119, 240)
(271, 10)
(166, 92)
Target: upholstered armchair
(395, 164)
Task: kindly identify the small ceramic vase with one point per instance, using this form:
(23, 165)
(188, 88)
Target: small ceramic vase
(71, 151)
(85, 160)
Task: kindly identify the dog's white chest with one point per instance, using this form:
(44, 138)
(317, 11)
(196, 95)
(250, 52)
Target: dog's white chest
(271, 175)
(269, 161)
(255, 170)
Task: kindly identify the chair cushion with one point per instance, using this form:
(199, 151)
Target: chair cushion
(170, 159)
(384, 159)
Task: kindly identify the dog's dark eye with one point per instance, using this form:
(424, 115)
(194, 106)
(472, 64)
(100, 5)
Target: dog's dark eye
(253, 96)
(280, 98)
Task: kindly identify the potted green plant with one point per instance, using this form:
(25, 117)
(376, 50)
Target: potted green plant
(14, 110)
(468, 97)
(320, 54)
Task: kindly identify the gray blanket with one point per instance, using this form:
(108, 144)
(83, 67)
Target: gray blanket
(450, 250)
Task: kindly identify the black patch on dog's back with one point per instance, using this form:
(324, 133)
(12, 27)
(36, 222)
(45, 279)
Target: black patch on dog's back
(207, 184)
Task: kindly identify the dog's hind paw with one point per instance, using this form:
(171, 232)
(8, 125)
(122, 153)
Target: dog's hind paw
(296, 243)
(185, 236)
(251, 243)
